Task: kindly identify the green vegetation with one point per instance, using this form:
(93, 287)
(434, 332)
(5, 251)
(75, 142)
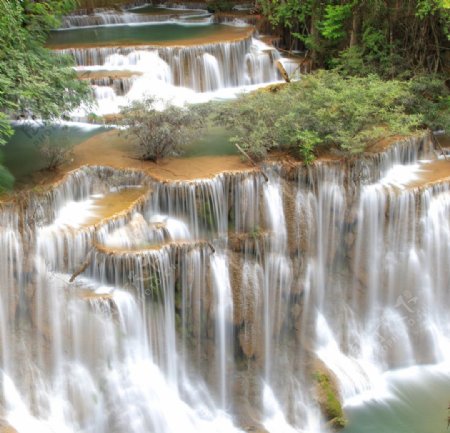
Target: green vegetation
(329, 400)
(34, 81)
(388, 37)
(160, 133)
(214, 6)
(326, 110)
(6, 178)
(54, 155)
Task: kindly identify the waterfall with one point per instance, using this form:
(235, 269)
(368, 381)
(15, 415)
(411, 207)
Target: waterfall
(239, 63)
(115, 86)
(128, 300)
(178, 74)
(107, 17)
(224, 317)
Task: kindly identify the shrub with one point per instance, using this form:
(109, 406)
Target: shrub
(215, 6)
(430, 97)
(54, 155)
(253, 119)
(159, 134)
(328, 110)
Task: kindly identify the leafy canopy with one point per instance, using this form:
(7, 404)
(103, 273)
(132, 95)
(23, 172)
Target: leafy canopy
(387, 37)
(34, 80)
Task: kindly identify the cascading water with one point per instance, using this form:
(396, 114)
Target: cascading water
(210, 305)
(125, 71)
(104, 17)
(177, 74)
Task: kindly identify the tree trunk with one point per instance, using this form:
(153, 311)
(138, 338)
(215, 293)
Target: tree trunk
(315, 16)
(356, 25)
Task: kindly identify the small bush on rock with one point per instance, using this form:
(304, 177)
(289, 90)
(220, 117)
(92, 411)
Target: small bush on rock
(160, 133)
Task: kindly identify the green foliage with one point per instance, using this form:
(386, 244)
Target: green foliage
(327, 110)
(6, 178)
(351, 61)
(160, 133)
(335, 17)
(285, 13)
(256, 232)
(427, 7)
(33, 80)
(6, 130)
(308, 141)
(430, 99)
(332, 405)
(253, 122)
(39, 17)
(153, 287)
(94, 118)
(214, 6)
(392, 38)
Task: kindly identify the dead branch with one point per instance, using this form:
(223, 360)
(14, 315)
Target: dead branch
(251, 161)
(82, 268)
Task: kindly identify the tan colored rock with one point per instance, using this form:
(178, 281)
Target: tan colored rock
(247, 341)
(6, 428)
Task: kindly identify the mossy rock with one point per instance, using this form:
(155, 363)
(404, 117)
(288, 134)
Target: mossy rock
(328, 399)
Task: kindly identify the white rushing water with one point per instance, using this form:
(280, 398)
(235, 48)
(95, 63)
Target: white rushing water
(111, 17)
(209, 305)
(177, 75)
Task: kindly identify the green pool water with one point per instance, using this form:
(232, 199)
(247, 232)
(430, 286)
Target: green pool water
(140, 34)
(21, 154)
(22, 158)
(213, 142)
(418, 404)
(154, 10)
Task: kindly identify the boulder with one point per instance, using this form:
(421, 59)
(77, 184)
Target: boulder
(327, 396)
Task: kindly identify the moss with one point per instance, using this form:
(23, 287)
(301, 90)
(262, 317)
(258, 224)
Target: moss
(206, 215)
(256, 232)
(153, 288)
(329, 400)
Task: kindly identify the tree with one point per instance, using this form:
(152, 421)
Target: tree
(54, 154)
(326, 110)
(160, 133)
(34, 80)
(387, 37)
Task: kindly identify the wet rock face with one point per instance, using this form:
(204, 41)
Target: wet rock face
(326, 393)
